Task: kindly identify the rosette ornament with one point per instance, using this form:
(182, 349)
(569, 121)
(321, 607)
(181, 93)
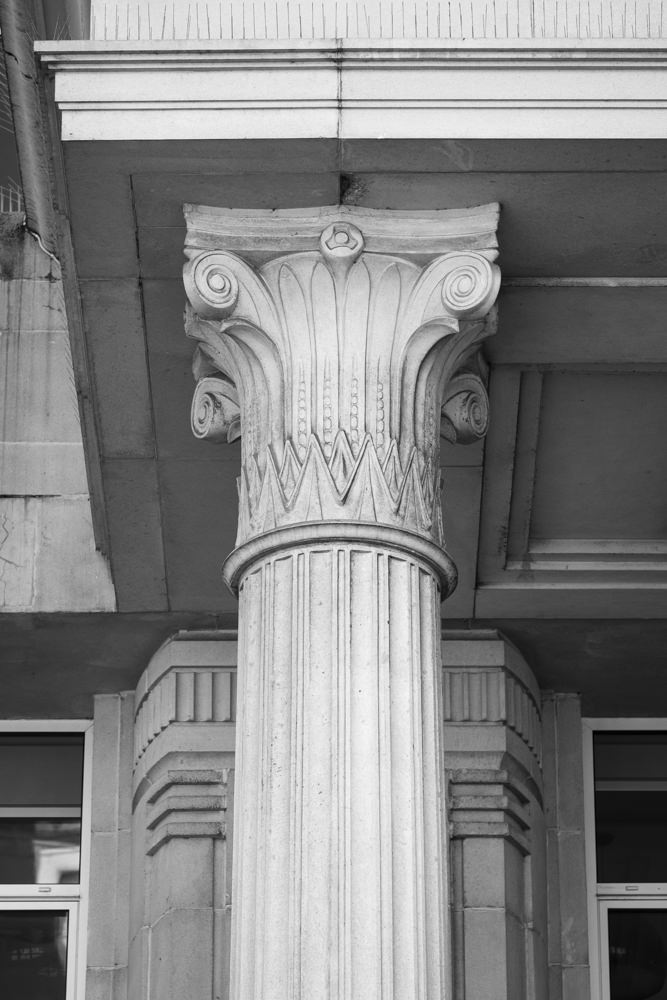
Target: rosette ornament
(341, 331)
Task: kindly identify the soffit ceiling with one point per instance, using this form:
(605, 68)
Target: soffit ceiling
(575, 455)
(54, 665)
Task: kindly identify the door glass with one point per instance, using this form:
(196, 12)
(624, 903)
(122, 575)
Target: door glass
(638, 954)
(41, 769)
(39, 851)
(40, 808)
(631, 806)
(33, 954)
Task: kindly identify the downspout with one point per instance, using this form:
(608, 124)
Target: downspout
(46, 205)
(18, 27)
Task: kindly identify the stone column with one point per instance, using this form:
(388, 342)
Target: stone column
(329, 341)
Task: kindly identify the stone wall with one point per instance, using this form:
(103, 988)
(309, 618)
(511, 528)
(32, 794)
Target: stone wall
(111, 848)
(48, 560)
(564, 811)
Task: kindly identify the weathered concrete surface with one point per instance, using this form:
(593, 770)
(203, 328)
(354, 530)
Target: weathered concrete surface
(48, 560)
(492, 748)
(566, 857)
(182, 805)
(109, 900)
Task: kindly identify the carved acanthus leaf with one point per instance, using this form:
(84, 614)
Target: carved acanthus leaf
(341, 488)
(347, 358)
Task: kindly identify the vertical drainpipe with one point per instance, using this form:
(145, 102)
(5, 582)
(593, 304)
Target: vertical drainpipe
(17, 23)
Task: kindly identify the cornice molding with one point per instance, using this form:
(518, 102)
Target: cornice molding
(611, 88)
(573, 50)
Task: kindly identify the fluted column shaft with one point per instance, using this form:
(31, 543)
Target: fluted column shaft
(339, 892)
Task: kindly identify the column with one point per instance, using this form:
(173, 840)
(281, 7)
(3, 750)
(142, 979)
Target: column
(336, 343)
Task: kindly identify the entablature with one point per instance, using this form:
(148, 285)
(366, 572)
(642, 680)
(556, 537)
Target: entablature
(350, 89)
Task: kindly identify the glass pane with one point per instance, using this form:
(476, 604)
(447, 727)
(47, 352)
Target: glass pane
(638, 954)
(631, 806)
(33, 954)
(41, 769)
(39, 850)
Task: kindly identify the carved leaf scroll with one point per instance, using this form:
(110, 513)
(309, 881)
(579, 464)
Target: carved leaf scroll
(345, 360)
(216, 414)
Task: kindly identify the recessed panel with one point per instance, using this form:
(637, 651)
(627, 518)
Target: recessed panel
(601, 468)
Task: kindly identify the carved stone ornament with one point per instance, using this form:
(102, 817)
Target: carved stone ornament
(464, 418)
(342, 330)
(215, 414)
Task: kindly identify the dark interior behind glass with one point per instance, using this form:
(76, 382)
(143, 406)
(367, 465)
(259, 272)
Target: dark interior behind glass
(631, 806)
(40, 808)
(33, 954)
(638, 954)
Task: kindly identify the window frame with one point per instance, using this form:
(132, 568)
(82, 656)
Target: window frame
(73, 898)
(604, 896)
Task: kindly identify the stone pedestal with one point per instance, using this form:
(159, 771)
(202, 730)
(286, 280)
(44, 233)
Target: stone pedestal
(181, 795)
(492, 751)
(342, 810)
(336, 347)
(564, 806)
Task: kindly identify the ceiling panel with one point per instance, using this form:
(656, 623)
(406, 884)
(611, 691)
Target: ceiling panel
(601, 469)
(113, 314)
(159, 200)
(200, 512)
(550, 223)
(136, 536)
(574, 517)
(569, 210)
(570, 325)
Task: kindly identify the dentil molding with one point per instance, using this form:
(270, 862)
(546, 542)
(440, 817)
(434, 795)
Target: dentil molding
(336, 342)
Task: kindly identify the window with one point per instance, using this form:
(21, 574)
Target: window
(626, 835)
(43, 859)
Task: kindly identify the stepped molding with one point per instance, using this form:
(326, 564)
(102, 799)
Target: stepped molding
(493, 696)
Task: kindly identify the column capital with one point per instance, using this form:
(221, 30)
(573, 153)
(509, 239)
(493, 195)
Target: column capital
(334, 341)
